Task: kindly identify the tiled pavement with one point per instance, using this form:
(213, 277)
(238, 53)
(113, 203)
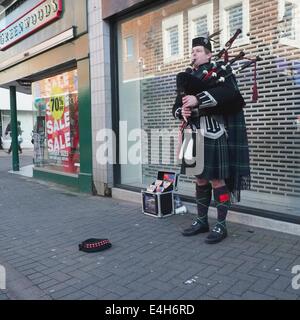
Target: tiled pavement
(42, 224)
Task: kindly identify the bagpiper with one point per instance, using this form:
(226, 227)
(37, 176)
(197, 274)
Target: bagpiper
(209, 104)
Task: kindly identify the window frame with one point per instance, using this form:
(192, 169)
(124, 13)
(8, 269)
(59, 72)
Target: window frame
(296, 21)
(226, 4)
(169, 22)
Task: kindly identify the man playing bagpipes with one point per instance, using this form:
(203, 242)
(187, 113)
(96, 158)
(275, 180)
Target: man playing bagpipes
(213, 106)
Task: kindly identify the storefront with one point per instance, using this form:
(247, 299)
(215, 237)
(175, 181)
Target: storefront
(44, 52)
(150, 44)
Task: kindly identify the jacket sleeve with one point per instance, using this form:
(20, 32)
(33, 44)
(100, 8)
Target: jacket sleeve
(176, 110)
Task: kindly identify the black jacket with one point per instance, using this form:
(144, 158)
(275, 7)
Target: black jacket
(226, 94)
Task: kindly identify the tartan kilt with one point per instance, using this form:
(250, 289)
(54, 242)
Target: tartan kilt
(227, 157)
(216, 159)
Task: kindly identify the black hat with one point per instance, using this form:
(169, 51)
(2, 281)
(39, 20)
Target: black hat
(94, 245)
(201, 41)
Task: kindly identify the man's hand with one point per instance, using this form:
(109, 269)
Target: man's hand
(189, 102)
(186, 112)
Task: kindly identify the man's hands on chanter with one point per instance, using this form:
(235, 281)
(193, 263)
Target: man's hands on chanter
(189, 102)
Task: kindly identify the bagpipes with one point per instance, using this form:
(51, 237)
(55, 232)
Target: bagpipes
(216, 74)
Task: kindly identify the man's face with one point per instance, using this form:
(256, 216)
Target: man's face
(199, 56)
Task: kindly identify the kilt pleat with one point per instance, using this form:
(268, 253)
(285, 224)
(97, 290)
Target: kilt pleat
(216, 159)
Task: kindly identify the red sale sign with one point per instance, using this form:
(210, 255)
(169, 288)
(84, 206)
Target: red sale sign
(58, 128)
(56, 99)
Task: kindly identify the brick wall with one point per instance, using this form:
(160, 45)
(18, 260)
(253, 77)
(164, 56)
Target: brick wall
(273, 135)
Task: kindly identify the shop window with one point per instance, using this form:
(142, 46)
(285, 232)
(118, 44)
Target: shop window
(173, 38)
(56, 128)
(289, 22)
(234, 14)
(147, 132)
(200, 21)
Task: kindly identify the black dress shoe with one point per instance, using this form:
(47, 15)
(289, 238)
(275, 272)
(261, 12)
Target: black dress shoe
(217, 234)
(195, 228)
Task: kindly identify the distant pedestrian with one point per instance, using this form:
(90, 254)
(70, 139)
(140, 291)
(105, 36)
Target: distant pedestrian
(20, 139)
(1, 143)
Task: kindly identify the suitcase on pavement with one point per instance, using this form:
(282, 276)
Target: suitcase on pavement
(158, 199)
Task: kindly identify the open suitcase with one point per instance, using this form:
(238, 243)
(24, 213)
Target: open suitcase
(158, 199)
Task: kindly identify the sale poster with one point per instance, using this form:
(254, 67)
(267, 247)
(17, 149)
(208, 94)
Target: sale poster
(59, 105)
(58, 126)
